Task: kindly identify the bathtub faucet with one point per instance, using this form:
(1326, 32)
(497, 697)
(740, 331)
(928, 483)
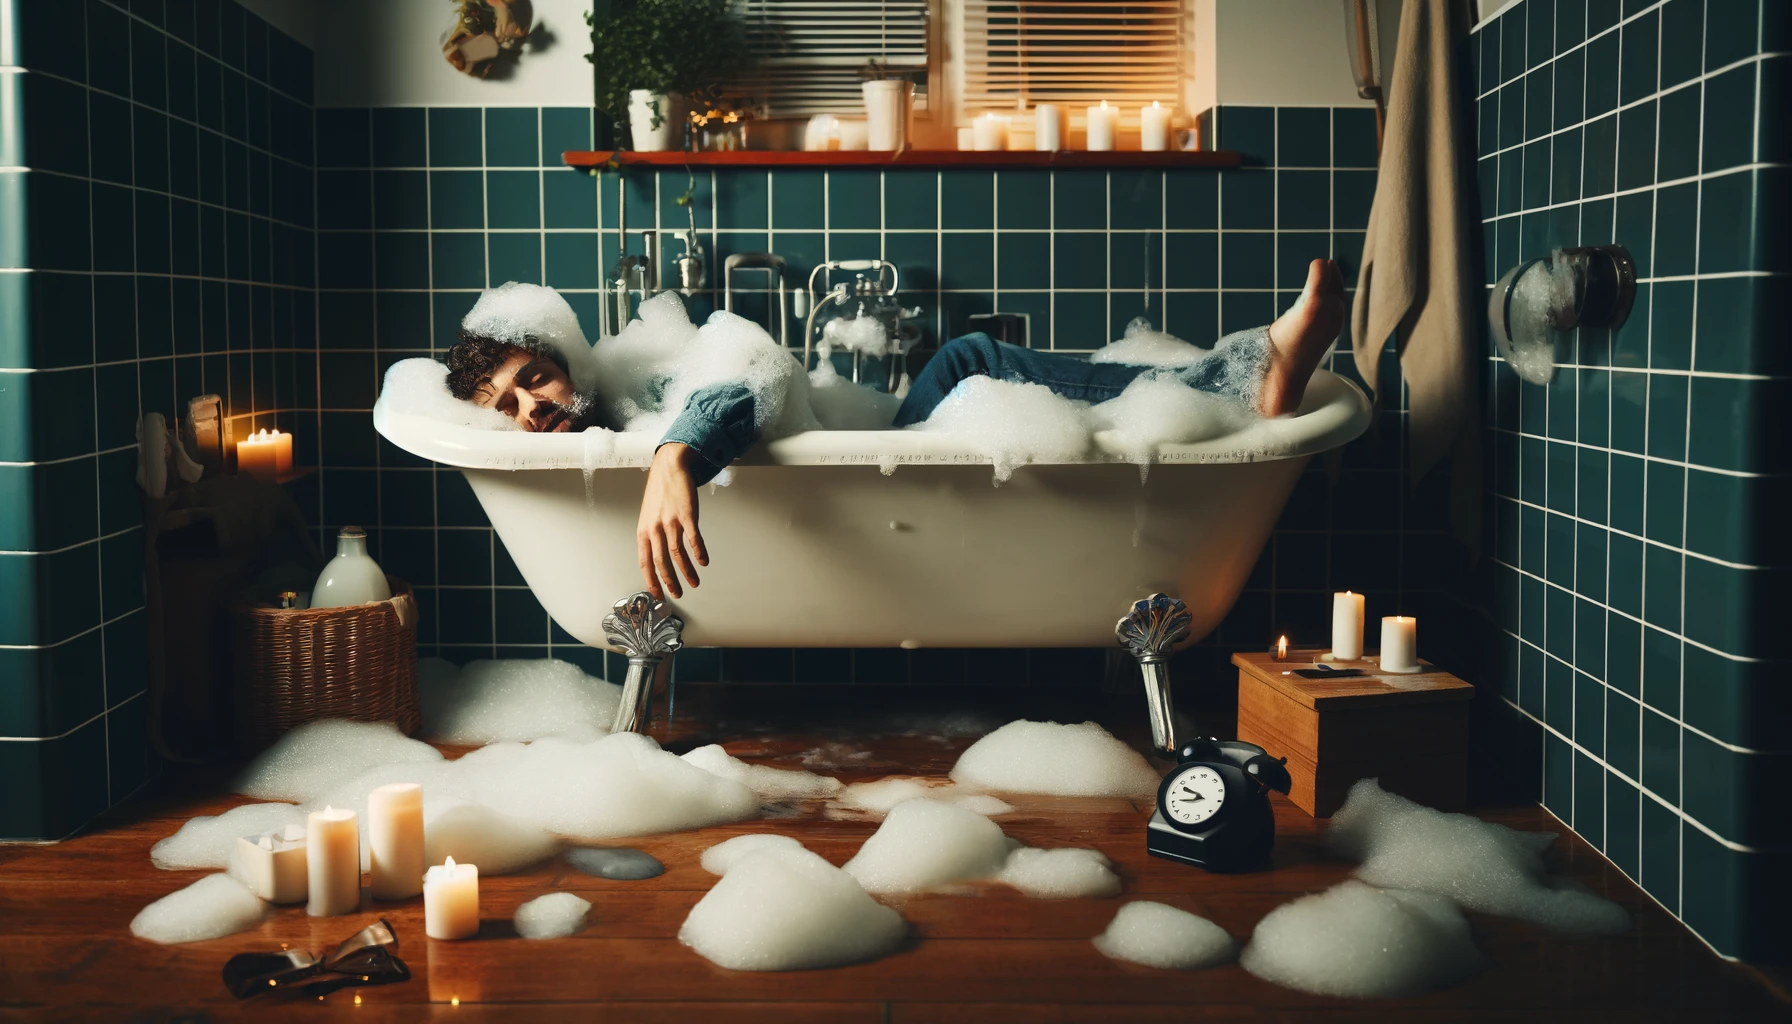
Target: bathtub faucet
(647, 634)
(1149, 633)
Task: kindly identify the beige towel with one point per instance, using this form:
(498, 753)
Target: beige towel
(1416, 278)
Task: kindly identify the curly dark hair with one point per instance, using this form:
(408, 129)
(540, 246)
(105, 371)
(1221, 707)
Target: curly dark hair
(475, 356)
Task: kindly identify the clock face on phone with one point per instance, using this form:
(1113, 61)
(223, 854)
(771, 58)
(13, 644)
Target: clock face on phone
(1194, 795)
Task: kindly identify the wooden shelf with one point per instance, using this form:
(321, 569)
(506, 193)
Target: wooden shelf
(918, 158)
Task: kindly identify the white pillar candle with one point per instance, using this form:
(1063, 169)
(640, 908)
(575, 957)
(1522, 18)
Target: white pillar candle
(333, 862)
(990, 132)
(451, 901)
(272, 865)
(1048, 128)
(1347, 626)
(1399, 643)
(1103, 122)
(395, 840)
(967, 139)
(1154, 127)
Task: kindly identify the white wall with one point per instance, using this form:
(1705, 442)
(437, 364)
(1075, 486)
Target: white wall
(296, 18)
(389, 53)
(1282, 52)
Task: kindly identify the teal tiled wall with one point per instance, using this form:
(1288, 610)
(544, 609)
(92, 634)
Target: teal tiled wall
(155, 244)
(1631, 500)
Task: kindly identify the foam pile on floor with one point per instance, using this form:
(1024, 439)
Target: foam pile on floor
(780, 907)
(880, 796)
(1046, 757)
(769, 783)
(724, 855)
(1481, 865)
(554, 916)
(513, 699)
(1060, 874)
(206, 841)
(316, 757)
(923, 844)
(1159, 935)
(1356, 940)
(214, 906)
(476, 834)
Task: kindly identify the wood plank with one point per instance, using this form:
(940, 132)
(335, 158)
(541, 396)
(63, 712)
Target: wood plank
(918, 158)
(1353, 691)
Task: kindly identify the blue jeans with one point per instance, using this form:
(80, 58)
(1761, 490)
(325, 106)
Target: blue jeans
(1228, 371)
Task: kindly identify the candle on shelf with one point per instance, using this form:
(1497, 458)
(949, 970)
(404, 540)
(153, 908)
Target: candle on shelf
(451, 901)
(1281, 653)
(990, 132)
(1104, 121)
(395, 840)
(1347, 626)
(265, 455)
(967, 138)
(1048, 128)
(272, 865)
(1399, 643)
(1154, 127)
(333, 862)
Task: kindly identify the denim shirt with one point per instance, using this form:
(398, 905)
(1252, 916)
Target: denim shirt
(717, 424)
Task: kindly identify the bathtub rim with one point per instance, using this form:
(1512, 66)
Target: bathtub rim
(1334, 412)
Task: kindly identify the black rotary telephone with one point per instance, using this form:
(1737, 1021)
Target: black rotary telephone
(1213, 808)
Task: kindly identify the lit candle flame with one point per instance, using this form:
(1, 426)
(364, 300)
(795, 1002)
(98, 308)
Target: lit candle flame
(450, 865)
(1281, 648)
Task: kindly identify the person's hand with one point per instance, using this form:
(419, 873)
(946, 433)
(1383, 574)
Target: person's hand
(666, 535)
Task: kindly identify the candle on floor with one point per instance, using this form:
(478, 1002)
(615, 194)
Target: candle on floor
(451, 901)
(990, 132)
(1347, 626)
(1399, 643)
(1103, 122)
(395, 840)
(272, 865)
(1048, 128)
(1154, 127)
(333, 862)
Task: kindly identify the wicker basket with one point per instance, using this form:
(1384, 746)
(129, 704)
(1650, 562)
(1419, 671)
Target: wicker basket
(298, 665)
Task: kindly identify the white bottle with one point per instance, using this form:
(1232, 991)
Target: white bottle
(351, 577)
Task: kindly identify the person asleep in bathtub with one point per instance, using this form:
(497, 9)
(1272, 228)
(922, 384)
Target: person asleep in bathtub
(1267, 367)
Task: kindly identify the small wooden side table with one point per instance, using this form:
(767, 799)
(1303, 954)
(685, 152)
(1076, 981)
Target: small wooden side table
(1410, 731)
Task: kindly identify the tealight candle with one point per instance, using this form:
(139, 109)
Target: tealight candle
(265, 455)
(451, 901)
(1281, 648)
(272, 865)
(333, 862)
(1104, 121)
(1347, 626)
(1399, 643)
(395, 840)
(1048, 128)
(1154, 127)
(990, 132)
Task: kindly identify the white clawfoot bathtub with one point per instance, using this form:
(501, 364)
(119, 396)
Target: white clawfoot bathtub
(813, 546)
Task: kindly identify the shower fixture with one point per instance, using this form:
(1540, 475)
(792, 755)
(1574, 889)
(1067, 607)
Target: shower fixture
(1537, 302)
(773, 265)
(866, 295)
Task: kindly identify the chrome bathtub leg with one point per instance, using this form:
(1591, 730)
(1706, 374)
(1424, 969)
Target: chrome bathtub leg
(648, 634)
(1149, 632)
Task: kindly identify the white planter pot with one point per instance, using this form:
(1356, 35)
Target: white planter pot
(888, 105)
(647, 138)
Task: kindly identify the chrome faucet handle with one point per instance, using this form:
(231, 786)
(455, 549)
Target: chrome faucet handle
(647, 632)
(1150, 633)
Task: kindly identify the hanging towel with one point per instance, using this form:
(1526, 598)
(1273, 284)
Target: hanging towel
(1416, 282)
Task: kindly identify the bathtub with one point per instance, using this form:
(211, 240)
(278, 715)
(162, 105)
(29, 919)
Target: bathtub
(814, 545)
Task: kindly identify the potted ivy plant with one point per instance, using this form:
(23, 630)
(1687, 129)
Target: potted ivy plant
(653, 59)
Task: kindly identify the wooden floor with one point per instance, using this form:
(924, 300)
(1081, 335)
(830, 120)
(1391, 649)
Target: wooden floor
(989, 956)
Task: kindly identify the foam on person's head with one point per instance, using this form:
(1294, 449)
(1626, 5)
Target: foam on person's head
(769, 783)
(419, 387)
(312, 758)
(1481, 865)
(789, 910)
(1011, 423)
(476, 834)
(1159, 935)
(208, 840)
(534, 317)
(1064, 760)
(1357, 940)
(211, 908)
(513, 699)
(724, 855)
(923, 844)
(1064, 873)
(554, 916)
(1140, 345)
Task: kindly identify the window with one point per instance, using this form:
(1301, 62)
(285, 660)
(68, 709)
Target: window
(811, 51)
(1025, 52)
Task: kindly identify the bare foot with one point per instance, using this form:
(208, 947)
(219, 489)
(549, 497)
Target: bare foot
(1299, 338)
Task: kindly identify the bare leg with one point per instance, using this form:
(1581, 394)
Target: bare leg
(1299, 338)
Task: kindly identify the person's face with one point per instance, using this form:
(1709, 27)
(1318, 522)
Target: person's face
(532, 390)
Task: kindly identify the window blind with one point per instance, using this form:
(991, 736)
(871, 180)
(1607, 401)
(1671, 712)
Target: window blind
(810, 52)
(1025, 52)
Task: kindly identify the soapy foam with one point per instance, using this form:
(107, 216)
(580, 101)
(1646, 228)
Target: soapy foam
(522, 699)
(1066, 760)
(521, 314)
(842, 405)
(1159, 935)
(1356, 940)
(1157, 409)
(476, 834)
(1065, 873)
(554, 916)
(207, 841)
(923, 844)
(769, 783)
(984, 804)
(1012, 423)
(419, 387)
(879, 796)
(789, 910)
(718, 859)
(1140, 345)
(1544, 293)
(316, 756)
(1481, 865)
(213, 907)
(863, 334)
